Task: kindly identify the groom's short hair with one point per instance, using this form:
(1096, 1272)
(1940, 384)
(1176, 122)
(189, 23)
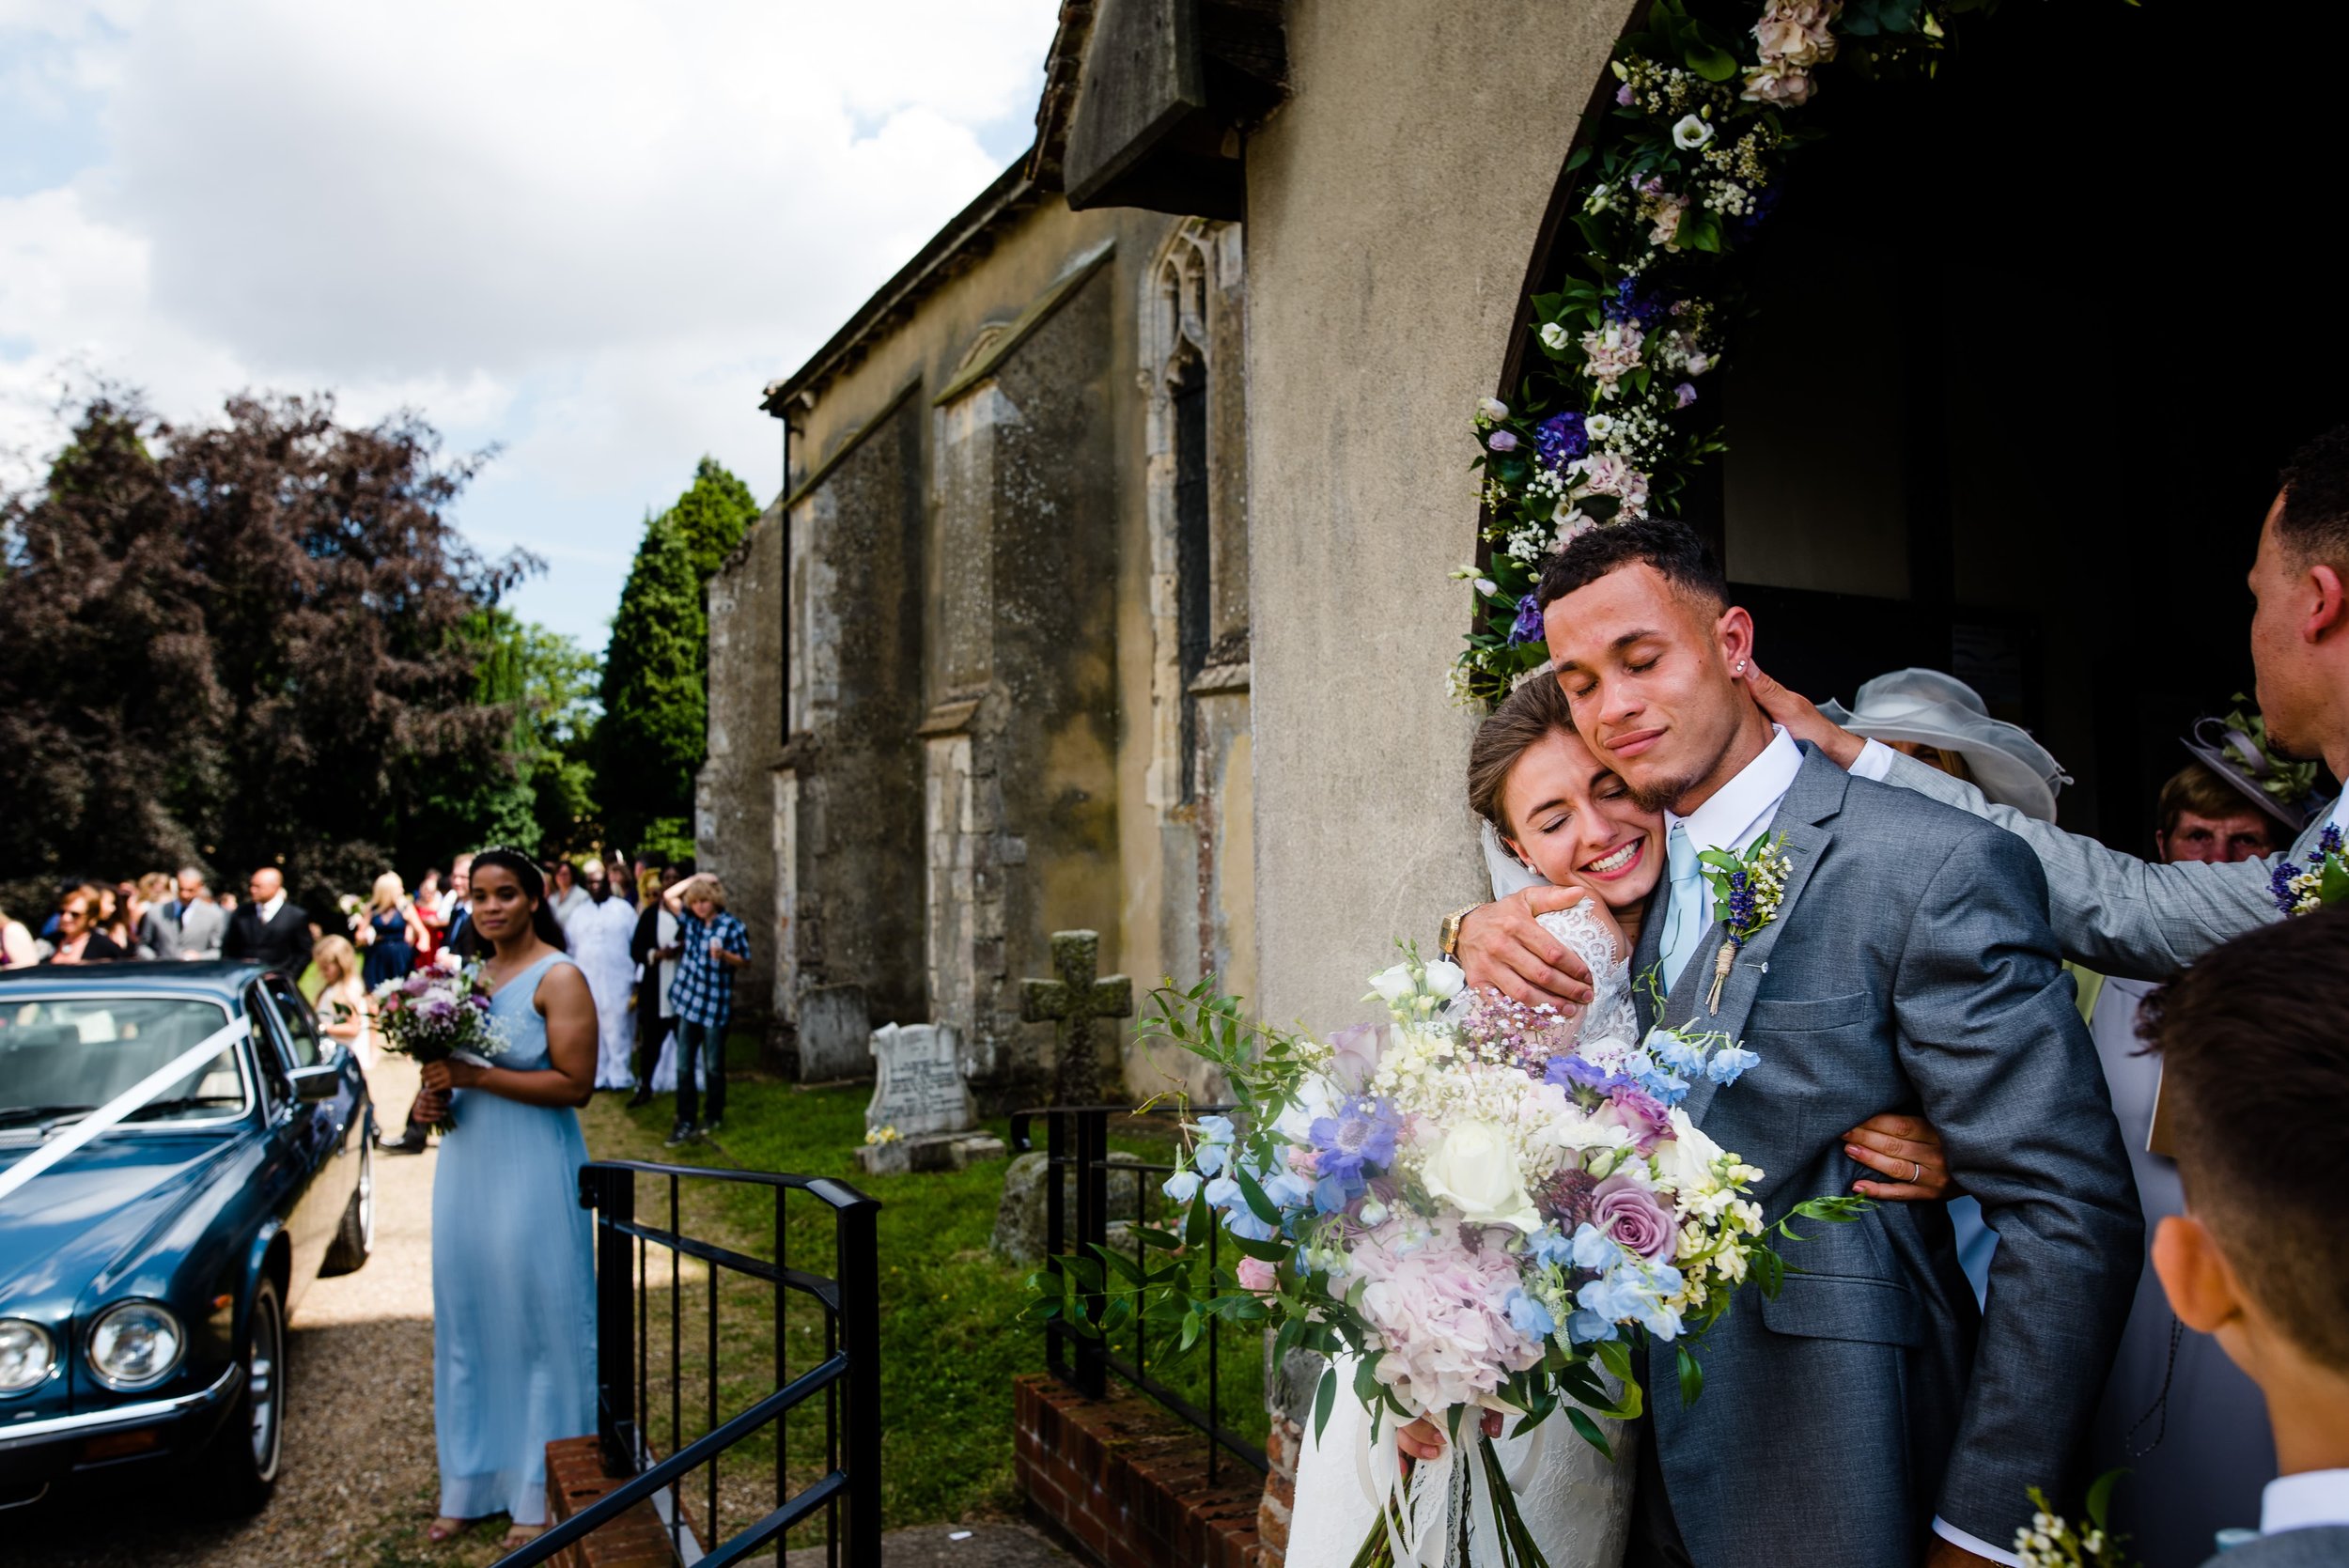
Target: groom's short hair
(2255, 1088)
(1676, 551)
(2314, 521)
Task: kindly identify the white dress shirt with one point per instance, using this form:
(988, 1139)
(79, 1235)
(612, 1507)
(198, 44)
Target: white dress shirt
(268, 911)
(1742, 808)
(2304, 1501)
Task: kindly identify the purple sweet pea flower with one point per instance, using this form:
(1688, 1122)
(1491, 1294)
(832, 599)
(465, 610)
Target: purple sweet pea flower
(1642, 1115)
(1502, 440)
(1355, 1056)
(1528, 625)
(1572, 1072)
(1630, 1213)
(1624, 96)
(1363, 1133)
(1683, 395)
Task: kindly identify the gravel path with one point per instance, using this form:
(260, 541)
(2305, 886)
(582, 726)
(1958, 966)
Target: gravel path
(359, 1480)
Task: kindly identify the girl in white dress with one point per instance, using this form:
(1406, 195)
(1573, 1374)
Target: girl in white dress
(598, 933)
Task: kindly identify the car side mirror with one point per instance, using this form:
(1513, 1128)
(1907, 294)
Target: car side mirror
(318, 1083)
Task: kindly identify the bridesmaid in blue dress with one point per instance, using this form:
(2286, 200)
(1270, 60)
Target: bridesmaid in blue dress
(513, 1271)
(392, 934)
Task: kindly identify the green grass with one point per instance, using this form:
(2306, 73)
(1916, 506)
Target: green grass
(951, 1341)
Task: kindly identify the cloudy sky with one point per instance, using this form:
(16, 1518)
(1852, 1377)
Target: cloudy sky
(588, 232)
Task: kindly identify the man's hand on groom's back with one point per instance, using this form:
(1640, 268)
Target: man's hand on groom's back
(1502, 946)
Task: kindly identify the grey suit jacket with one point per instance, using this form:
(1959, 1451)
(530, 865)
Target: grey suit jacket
(196, 935)
(2112, 911)
(2323, 1546)
(1909, 967)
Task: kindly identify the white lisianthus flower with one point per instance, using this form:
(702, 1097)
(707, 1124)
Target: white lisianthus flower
(1487, 586)
(1690, 132)
(1685, 1163)
(1445, 978)
(1475, 1170)
(1492, 409)
(1393, 984)
(1599, 427)
(1554, 336)
(1582, 1133)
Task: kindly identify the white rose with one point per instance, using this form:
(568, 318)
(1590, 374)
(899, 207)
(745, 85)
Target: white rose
(1690, 132)
(1492, 409)
(1475, 1171)
(1444, 978)
(1393, 984)
(1553, 335)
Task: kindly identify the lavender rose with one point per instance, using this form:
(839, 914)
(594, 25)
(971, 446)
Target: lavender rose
(1630, 1213)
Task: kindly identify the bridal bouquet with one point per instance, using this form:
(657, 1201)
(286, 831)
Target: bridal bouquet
(1478, 1208)
(437, 1012)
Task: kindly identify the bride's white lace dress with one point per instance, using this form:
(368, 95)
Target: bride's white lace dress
(1577, 1503)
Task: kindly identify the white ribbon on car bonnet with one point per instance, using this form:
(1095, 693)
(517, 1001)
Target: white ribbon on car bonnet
(117, 1109)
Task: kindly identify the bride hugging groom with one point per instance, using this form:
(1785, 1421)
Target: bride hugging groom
(1869, 1415)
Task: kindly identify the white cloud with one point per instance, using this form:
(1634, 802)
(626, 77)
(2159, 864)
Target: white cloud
(589, 231)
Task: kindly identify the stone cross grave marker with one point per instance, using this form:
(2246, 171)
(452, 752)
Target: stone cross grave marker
(921, 1117)
(1073, 1002)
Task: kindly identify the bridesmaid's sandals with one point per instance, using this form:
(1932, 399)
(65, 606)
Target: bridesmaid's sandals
(521, 1535)
(444, 1529)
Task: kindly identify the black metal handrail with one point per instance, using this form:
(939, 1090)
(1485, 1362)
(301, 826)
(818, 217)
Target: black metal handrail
(847, 1377)
(1077, 1141)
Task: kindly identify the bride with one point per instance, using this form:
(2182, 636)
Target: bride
(1559, 815)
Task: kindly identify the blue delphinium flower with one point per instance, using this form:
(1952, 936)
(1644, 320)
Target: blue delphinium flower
(1242, 1221)
(1288, 1189)
(1361, 1134)
(1551, 1246)
(1679, 1052)
(1631, 302)
(1585, 1326)
(1530, 1317)
(1332, 1195)
(1560, 439)
(1595, 1249)
(1728, 1062)
(1526, 628)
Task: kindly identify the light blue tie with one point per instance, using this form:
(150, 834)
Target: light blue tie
(1691, 907)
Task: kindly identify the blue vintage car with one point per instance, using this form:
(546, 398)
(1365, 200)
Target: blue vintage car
(146, 1279)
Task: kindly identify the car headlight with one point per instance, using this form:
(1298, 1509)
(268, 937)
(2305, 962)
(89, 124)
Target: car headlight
(135, 1343)
(27, 1354)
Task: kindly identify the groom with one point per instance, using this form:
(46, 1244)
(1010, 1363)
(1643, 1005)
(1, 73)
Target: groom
(1867, 1416)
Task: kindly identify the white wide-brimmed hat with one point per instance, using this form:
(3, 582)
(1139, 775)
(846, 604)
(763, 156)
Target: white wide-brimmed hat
(1926, 707)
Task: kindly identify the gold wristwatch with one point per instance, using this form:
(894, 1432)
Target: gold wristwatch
(1448, 937)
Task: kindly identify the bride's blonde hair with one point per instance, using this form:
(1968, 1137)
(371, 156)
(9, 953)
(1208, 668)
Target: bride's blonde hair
(1533, 712)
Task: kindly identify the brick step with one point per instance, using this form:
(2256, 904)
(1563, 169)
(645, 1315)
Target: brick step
(575, 1481)
(1125, 1482)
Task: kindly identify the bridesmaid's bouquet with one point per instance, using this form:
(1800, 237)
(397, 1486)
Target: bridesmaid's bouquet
(1473, 1204)
(439, 1012)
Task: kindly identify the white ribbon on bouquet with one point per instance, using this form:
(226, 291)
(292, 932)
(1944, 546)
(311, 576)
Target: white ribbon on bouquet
(122, 1106)
(1418, 1516)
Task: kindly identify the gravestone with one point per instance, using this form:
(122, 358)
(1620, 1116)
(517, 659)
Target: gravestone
(834, 1034)
(1073, 1002)
(921, 1117)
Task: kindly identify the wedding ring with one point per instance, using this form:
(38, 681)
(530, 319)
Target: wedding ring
(1916, 1173)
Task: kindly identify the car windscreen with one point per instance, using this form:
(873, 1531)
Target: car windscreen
(60, 1056)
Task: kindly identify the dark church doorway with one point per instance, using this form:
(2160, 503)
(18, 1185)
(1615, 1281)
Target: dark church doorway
(2031, 342)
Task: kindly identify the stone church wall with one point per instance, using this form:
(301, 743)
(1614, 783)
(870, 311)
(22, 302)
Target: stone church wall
(733, 834)
(1386, 252)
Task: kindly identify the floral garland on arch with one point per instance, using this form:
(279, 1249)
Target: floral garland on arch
(1614, 414)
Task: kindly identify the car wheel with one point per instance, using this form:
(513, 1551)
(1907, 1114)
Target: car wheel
(240, 1467)
(354, 1239)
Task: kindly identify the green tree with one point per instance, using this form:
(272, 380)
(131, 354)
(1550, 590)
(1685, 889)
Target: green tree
(653, 733)
(543, 795)
(240, 642)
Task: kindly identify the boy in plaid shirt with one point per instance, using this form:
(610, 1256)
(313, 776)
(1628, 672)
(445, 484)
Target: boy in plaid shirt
(712, 945)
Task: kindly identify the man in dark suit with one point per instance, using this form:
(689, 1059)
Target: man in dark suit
(268, 928)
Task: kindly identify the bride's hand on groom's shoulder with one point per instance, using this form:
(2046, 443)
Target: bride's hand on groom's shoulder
(1802, 719)
(1503, 945)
